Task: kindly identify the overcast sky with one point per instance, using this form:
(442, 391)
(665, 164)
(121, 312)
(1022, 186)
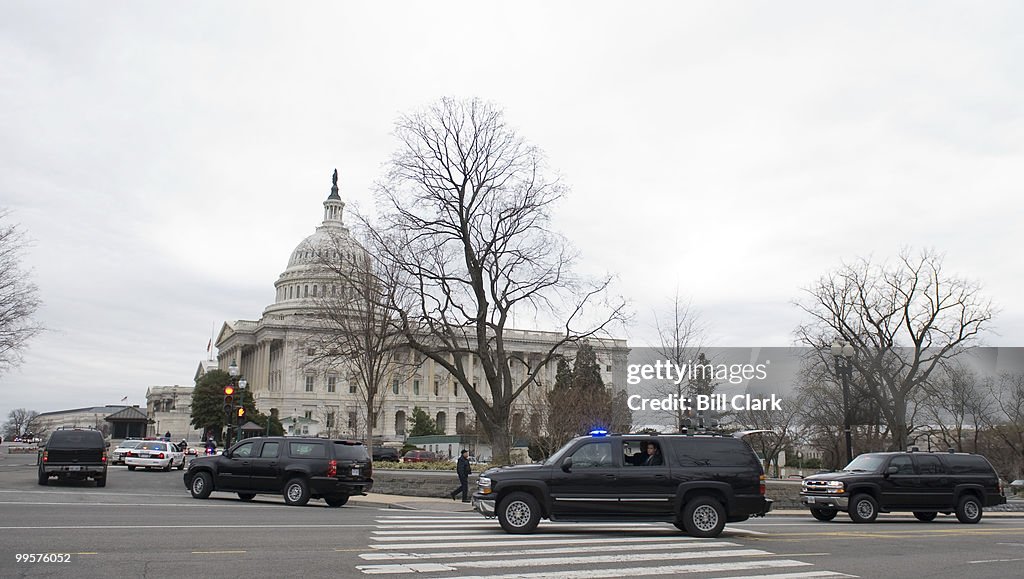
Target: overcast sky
(166, 158)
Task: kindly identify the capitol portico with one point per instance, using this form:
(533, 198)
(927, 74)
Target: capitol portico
(278, 354)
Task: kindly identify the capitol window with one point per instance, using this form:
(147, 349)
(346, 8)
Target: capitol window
(309, 383)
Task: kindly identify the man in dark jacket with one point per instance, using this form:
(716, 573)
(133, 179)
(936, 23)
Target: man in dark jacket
(463, 469)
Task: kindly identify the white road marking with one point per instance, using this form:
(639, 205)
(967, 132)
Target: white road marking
(996, 561)
(231, 526)
(600, 573)
(528, 541)
(551, 551)
(806, 575)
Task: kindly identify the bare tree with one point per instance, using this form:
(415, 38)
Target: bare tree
(1006, 421)
(783, 426)
(19, 297)
(19, 421)
(360, 337)
(956, 405)
(903, 321)
(681, 335)
(466, 230)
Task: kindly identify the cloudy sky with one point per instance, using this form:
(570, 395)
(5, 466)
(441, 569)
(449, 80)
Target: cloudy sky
(166, 158)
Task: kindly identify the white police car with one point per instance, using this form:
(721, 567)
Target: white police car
(155, 454)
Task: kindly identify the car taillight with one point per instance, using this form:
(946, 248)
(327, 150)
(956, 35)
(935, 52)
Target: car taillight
(160, 456)
(762, 489)
(332, 468)
(104, 456)
(45, 457)
(129, 453)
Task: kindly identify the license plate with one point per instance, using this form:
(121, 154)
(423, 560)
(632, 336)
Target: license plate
(355, 472)
(74, 468)
(810, 500)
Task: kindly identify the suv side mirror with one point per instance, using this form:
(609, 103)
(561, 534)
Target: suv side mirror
(567, 465)
(892, 470)
(227, 453)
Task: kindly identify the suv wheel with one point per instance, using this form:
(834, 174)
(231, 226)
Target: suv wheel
(246, 496)
(101, 482)
(336, 501)
(44, 479)
(824, 514)
(703, 517)
(202, 485)
(519, 513)
(863, 509)
(925, 517)
(296, 492)
(968, 510)
(131, 467)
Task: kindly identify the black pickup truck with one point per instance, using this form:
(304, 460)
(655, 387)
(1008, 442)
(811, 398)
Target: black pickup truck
(75, 454)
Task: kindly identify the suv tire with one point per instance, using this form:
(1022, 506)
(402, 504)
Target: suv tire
(519, 513)
(824, 514)
(202, 485)
(863, 508)
(336, 500)
(968, 510)
(246, 496)
(925, 517)
(101, 482)
(131, 467)
(44, 479)
(296, 492)
(703, 517)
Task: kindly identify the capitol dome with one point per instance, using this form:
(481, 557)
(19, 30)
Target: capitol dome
(307, 276)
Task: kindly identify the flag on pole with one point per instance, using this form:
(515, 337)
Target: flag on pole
(125, 399)
(209, 344)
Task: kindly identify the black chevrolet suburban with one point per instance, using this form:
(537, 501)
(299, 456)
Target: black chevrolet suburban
(299, 468)
(698, 482)
(924, 483)
(75, 454)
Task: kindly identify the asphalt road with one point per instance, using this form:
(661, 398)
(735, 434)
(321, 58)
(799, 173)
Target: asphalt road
(145, 524)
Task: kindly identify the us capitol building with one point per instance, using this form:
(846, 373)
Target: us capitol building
(277, 355)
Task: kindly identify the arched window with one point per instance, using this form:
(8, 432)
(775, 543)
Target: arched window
(305, 291)
(400, 423)
(441, 426)
(314, 290)
(460, 423)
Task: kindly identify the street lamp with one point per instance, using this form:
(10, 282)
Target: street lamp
(843, 351)
(240, 385)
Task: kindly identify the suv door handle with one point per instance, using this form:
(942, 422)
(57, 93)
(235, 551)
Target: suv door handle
(660, 476)
(609, 476)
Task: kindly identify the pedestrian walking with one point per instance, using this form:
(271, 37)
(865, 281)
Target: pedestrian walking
(463, 469)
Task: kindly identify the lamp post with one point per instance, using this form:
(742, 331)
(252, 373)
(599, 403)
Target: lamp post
(843, 351)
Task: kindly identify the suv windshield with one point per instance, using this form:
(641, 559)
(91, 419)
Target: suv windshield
(866, 463)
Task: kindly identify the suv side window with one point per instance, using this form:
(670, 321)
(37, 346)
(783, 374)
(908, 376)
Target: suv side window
(929, 465)
(243, 451)
(593, 455)
(306, 450)
(967, 464)
(903, 463)
(270, 450)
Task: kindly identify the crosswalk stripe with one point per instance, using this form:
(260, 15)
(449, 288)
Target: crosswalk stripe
(548, 551)
(805, 575)
(494, 525)
(487, 541)
(597, 573)
(589, 559)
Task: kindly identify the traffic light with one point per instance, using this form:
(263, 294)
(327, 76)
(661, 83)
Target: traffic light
(229, 399)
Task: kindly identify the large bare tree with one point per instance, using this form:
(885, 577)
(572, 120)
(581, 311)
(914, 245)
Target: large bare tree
(903, 319)
(19, 421)
(19, 297)
(465, 226)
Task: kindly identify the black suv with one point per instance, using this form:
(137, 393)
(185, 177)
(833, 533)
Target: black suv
(73, 453)
(698, 482)
(299, 468)
(385, 453)
(924, 483)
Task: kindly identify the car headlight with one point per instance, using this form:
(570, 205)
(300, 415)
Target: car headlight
(484, 484)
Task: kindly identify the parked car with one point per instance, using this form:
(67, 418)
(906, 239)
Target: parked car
(924, 483)
(300, 468)
(385, 453)
(698, 482)
(74, 453)
(420, 456)
(155, 454)
(117, 455)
